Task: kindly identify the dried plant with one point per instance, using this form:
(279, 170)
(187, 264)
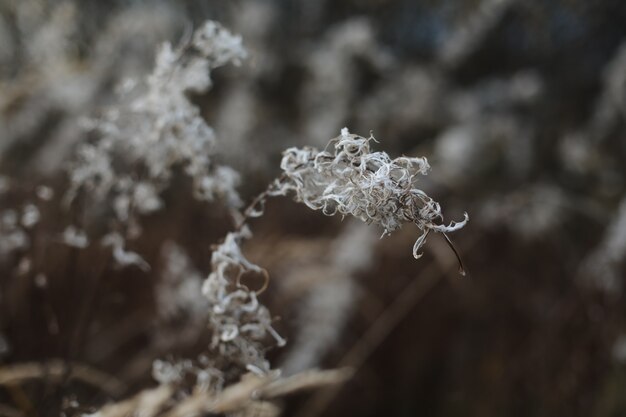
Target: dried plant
(238, 321)
(156, 129)
(352, 180)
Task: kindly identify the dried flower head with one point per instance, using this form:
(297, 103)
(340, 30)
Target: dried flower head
(156, 129)
(239, 323)
(350, 179)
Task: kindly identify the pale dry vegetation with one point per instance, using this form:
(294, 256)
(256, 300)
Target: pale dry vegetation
(226, 208)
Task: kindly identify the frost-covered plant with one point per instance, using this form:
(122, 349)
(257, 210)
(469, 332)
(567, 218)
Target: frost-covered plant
(157, 129)
(350, 179)
(238, 322)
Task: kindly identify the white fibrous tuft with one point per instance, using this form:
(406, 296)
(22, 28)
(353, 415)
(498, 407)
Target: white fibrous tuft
(239, 322)
(44, 193)
(141, 196)
(156, 130)
(13, 237)
(222, 183)
(30, 216)
(219, 45)
(205, 377)
(353, 180)
(121, 255)
(74, 237)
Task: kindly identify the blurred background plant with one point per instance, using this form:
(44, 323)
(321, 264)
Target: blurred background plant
(519, 107)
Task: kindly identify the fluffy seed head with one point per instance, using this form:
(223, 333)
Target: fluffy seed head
(350, 179)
